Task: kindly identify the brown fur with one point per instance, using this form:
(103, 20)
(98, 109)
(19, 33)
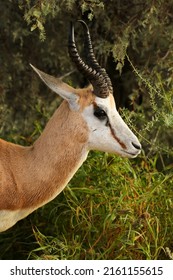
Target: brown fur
(86, 97)
(31, 176)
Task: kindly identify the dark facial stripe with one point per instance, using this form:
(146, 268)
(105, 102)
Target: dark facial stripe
(116, 138)
(112, 131)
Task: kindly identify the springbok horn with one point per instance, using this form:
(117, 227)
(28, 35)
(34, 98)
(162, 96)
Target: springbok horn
(96, 78)
(91, 60)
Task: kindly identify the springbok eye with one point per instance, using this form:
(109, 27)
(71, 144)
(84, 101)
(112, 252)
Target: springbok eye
(100, 113)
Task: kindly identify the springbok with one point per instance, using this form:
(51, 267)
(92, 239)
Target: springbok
(86, 120)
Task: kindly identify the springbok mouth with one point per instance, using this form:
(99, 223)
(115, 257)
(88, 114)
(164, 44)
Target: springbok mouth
(131, 154)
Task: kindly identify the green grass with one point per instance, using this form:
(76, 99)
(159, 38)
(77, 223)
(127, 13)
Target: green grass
(113, 208)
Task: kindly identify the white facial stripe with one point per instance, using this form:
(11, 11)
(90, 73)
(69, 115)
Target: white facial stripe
(105, 106)
(114, 137)
(102, 106)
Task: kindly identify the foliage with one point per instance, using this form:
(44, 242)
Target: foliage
(124, 213)
(111, 217)
(113, 208)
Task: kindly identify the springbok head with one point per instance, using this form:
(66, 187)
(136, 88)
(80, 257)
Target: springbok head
(95, 104)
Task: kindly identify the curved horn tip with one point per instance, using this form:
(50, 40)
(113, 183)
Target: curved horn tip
(83, 23)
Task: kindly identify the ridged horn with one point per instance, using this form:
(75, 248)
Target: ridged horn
(90, 57)
(95, 77)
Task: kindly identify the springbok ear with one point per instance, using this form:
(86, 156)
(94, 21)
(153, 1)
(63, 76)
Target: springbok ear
(65, 91)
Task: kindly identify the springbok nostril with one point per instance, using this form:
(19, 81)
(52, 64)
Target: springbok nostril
(137, 146)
